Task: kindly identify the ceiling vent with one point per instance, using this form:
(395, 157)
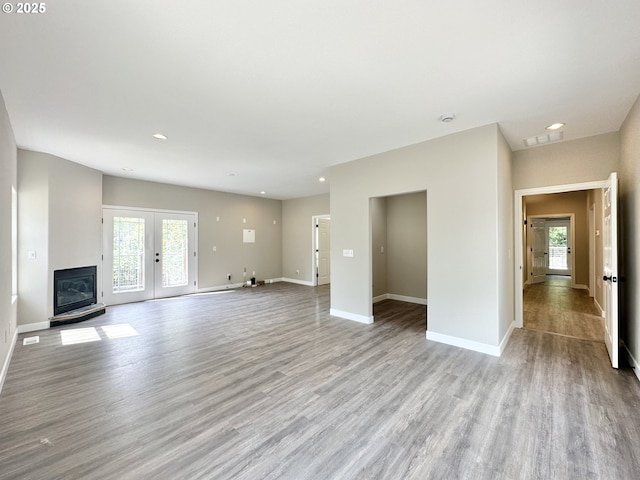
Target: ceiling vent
(543, 139)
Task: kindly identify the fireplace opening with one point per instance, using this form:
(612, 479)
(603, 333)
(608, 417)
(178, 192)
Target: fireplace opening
(74, 288)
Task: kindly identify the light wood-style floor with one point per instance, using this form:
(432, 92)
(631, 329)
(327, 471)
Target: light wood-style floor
(555, 307)
(262, 383)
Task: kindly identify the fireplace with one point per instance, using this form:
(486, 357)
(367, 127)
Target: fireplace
(74, 288)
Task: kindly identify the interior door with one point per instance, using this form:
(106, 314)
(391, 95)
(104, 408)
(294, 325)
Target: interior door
(610, 244)
(323, 249)
(147, 255)
(537, 249)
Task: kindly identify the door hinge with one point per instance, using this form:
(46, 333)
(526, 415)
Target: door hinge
(102, 219)
(194, 224)
(525, 222)
(194, 283)
(194, 254)
(102, 257)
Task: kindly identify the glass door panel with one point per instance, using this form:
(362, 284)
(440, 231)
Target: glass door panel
(147, 255)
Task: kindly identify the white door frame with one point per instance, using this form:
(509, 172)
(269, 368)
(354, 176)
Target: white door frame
(314, 246)
(592, 250)
(154, 211)
(572, 229)
(518, 223)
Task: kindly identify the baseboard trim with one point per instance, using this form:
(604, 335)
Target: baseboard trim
(33, 327)
(633, 363)
(463, 343)
(507, 336)
(351, 316)
(599, 307)
(298, 282)
(7, 360)
(580, 286)
(399, 298)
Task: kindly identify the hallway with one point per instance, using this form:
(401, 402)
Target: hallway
(555, 307)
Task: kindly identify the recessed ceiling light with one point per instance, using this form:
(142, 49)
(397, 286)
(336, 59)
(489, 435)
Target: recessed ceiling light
(555, 126)
(232, 174)
(127, 169)
(322, 179)
(159, 136)
(447, 117)
(263, 192)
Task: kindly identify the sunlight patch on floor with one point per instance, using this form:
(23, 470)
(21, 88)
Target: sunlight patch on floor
(119, 331)
(79, 335)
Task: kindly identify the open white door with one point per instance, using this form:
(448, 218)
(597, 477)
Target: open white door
(610, 242)
(324, 247)
(537, 250)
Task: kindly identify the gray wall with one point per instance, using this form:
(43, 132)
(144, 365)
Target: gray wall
(578, 161)
(60, 205)
(8, 178)
(630, 240)
(407, 245)
(220, 218)
(297, 235)
(379, 241)
(456, 171)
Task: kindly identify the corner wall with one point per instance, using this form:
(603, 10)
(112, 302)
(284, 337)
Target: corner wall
(629, 237)
(456, 171)
(60, 205)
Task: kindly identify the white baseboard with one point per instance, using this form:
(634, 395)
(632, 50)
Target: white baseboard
(633, 363)
(351, 316)
(7, 360)
(464, 343)
(33, 327)
(507, 336)
(400, 298)
(599, 307)
(299, 282)
(580, 286)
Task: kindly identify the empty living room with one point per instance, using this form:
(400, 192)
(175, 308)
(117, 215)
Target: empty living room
(319, 240)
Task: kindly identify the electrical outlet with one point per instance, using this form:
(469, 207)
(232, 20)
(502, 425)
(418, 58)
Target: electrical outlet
(229, 276)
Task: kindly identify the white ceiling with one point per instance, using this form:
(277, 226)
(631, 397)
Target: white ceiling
(277, 91)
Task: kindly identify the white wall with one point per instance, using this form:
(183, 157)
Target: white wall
(630, 234)
(460, 174)
(60, 206)
(220, 217)
(8, 178)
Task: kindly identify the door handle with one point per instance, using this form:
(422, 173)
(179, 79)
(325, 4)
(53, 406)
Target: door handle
(611, 278)
(157, 260)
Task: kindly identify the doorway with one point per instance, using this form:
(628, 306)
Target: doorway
(550, 243)
(321, 250)
(147, 254)
(608, 189)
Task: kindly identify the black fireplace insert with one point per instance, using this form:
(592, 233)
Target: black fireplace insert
(74, 288)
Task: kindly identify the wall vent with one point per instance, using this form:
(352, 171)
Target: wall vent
(543, 139)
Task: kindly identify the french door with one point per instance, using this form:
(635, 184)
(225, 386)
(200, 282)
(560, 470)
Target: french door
(147, 254)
